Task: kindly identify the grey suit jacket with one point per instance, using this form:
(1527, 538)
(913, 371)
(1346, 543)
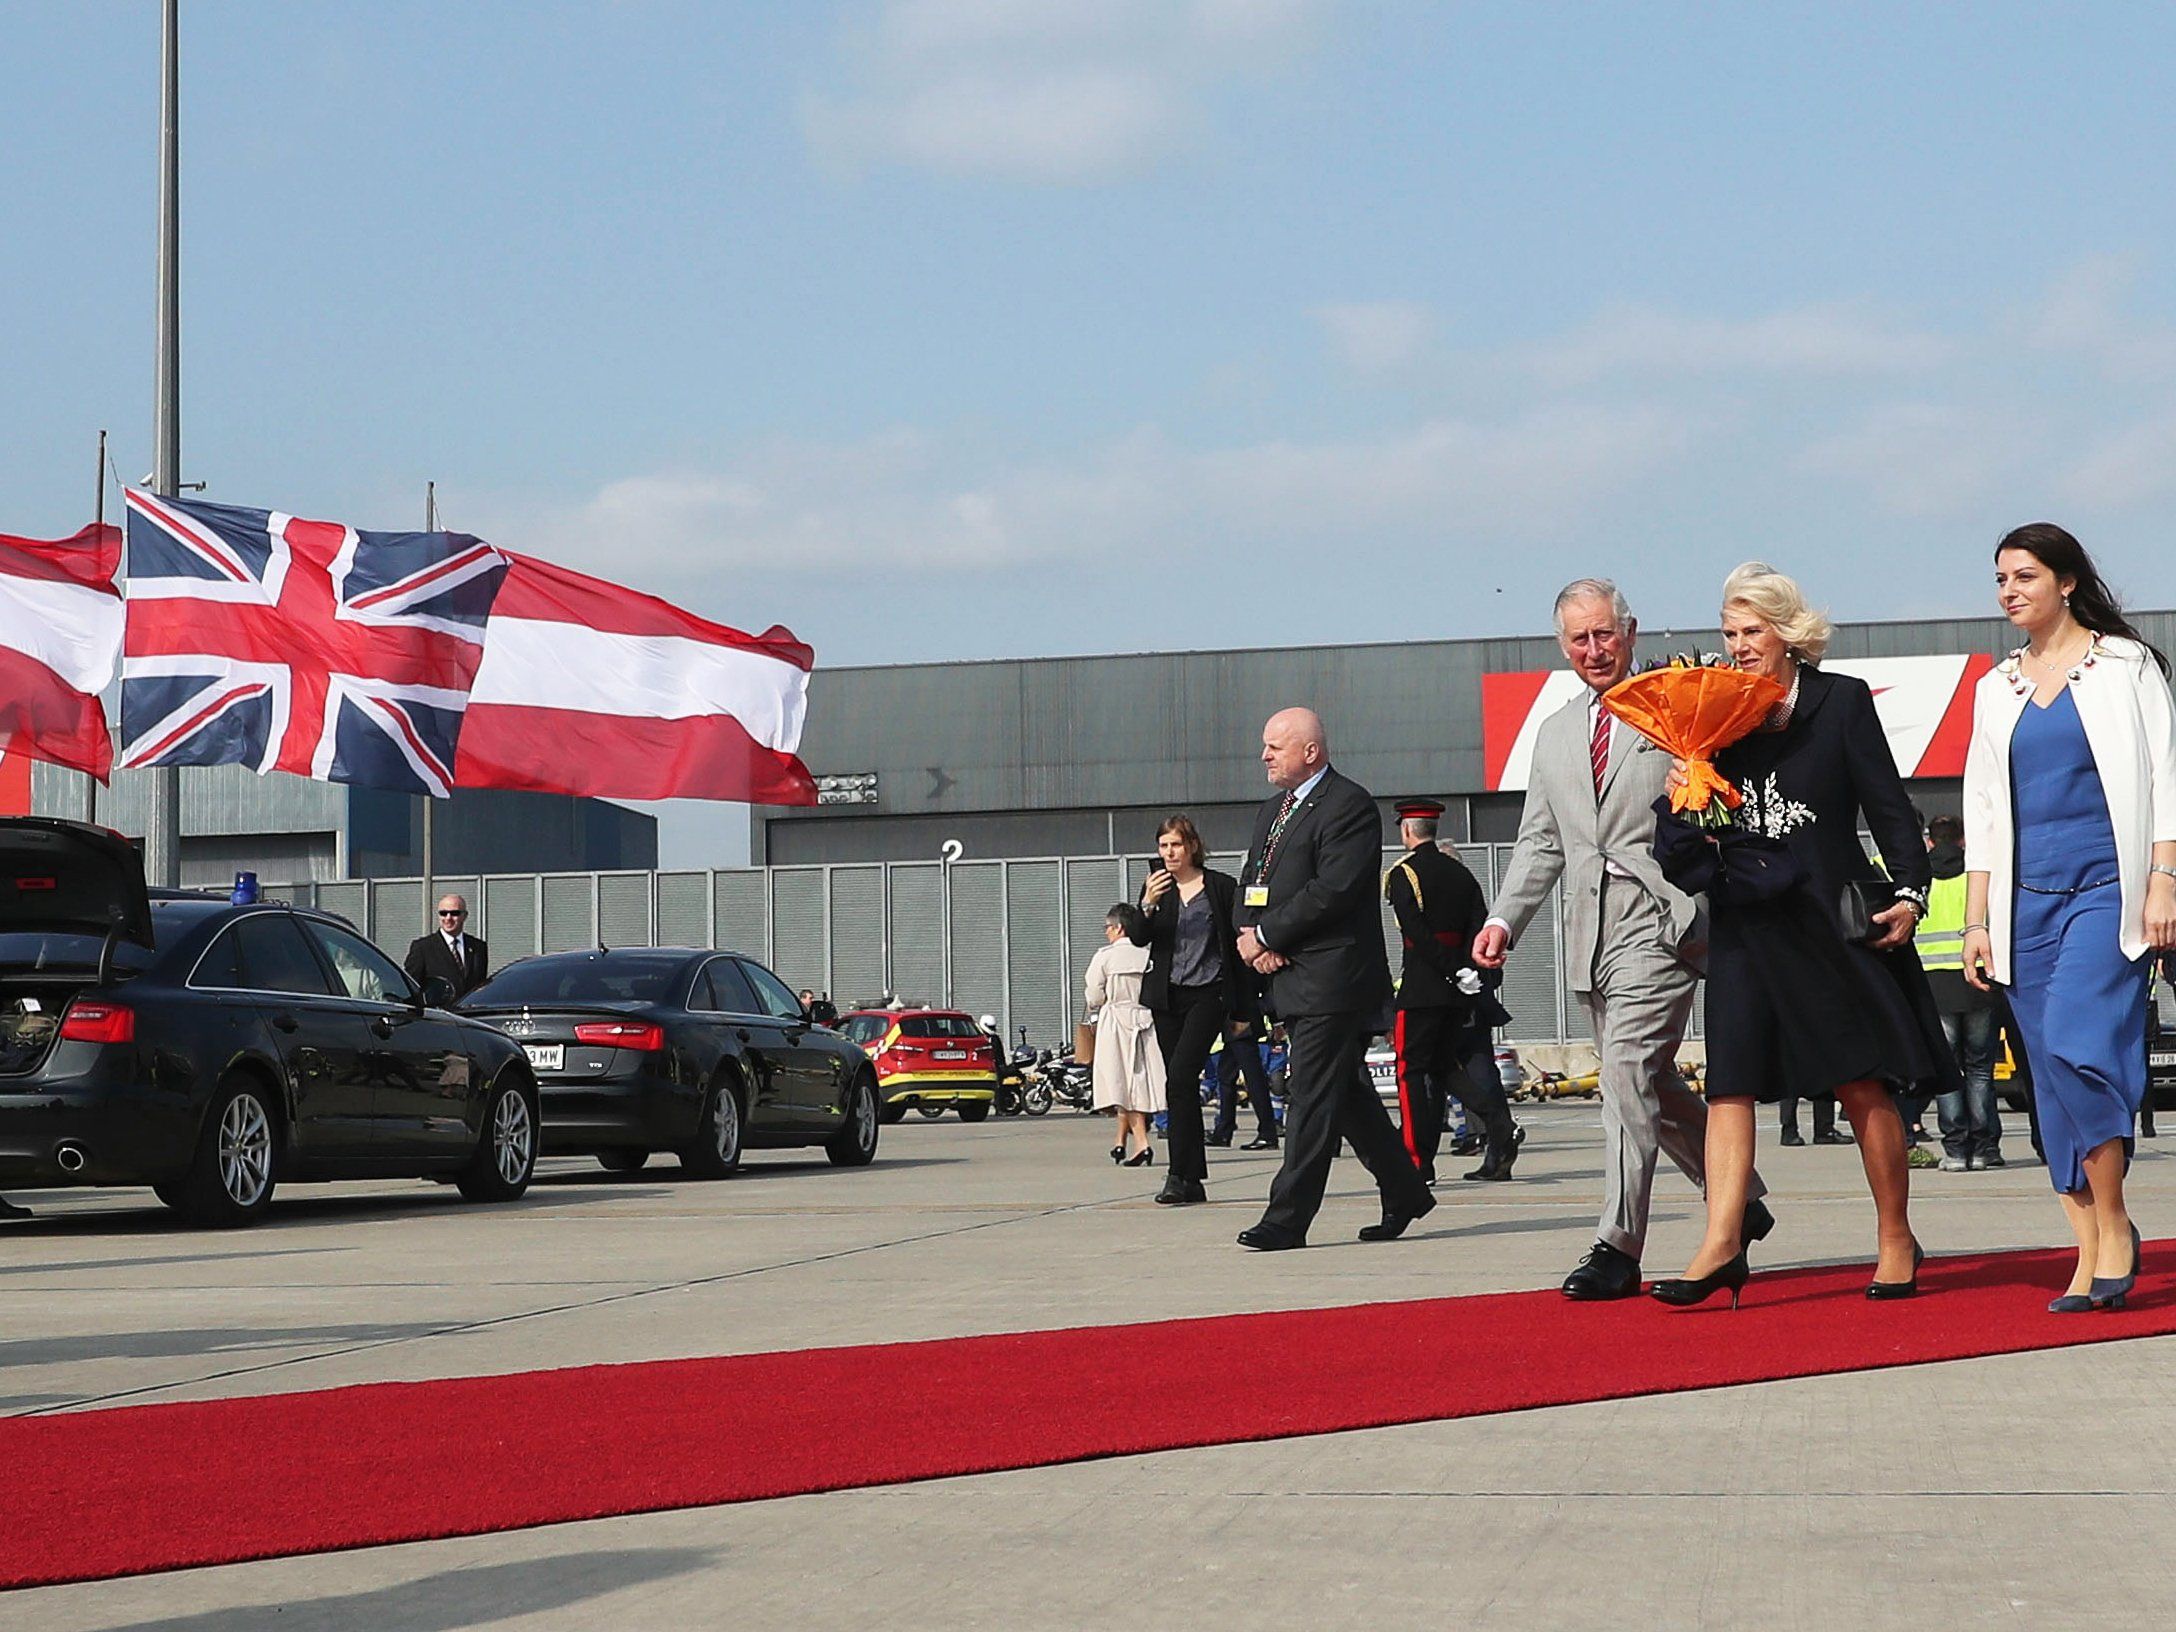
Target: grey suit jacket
(1565, 834)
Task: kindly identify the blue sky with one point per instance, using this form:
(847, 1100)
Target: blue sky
(978, 328)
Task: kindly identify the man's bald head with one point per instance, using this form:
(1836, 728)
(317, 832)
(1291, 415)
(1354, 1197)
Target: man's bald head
(1294, 746)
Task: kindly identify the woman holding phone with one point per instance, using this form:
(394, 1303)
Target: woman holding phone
(1195, 984)
(2070, 875)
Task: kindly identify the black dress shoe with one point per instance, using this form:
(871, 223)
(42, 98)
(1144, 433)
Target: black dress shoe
(1498, 1164)
(1467, 1145)
(1261, 1141)
(1834, 1136)
(1395, 1220)
(1791, 1136)
(1693, 1290)
(1756, 1224)
(1181, 1193)
(1604, 1273)
(8, 1209)
(1890, 1291)
(1221, 1140)
(1268, 1238)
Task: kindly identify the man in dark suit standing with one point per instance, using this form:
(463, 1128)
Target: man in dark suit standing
(452, 954)
(1446, 1007)
(1307, 907)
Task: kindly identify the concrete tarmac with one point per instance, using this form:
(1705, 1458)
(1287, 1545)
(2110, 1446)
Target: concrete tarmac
(2025, 1490)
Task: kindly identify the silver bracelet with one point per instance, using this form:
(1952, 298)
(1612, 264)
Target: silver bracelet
(2158, 868)
(1969, 928)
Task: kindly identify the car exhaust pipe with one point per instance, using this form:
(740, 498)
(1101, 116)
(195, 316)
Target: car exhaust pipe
(73, 1158)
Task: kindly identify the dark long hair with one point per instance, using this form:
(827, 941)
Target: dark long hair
(2092, 602)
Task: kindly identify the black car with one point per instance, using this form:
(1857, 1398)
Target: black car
(212, 1050)
(697, 1052)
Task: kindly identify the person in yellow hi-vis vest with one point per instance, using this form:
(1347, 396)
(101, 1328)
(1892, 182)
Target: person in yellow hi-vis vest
(1971, 1122)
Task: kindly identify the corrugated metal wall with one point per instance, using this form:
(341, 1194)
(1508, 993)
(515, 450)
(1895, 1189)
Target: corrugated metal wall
(1008, 938)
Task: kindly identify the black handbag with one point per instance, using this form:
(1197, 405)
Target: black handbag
(1860, 900)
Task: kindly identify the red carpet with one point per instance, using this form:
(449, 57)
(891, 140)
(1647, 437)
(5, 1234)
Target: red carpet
(159, 1487)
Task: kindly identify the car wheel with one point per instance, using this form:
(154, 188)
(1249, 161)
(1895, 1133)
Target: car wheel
(505, 1159)
(230, 1177)
(622, 1161)
(854, 1145)
(714, 1152)
(931, 1111)
(889, 1112)
(974, 1110)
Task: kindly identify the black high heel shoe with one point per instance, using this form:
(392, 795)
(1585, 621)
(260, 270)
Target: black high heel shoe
(2108, 1293)
(1688, 1291)
(1887, 1291)
(1144, 1157)
(1118, 1153)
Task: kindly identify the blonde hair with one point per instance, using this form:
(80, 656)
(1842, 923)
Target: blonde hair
(1778, 602)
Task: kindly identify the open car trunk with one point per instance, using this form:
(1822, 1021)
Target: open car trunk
(71, 895)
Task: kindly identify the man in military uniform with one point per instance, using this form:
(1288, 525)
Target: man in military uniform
(1446, 1007)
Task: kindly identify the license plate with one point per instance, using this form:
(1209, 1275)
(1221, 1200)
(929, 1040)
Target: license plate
(949, 1054)
(2161, 1059)
(546, 1056)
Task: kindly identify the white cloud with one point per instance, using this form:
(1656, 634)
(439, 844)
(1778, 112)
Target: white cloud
(1923, 459)
(2086, 312)
(910, 499)
(1042, 90)
(2128, 468)
(1824, 339)
(1378, 336)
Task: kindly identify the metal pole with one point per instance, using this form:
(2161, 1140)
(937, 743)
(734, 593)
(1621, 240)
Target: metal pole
(430, 804)
(90, 782)
(162, 814)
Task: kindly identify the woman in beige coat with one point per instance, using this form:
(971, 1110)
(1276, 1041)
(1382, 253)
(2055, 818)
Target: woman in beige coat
(1128, 1067)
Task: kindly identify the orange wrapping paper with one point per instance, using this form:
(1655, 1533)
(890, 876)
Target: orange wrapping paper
(1695, 713)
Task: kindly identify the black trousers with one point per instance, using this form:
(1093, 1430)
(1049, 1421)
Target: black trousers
(1328, 1097)
(1441, 1055)
(1824, 1114)
(1245, 1054)
(1184, 1032)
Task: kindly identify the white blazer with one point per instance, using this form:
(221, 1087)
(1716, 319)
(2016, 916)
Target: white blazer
(2130, 725)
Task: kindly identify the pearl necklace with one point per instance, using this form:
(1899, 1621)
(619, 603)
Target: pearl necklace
(2014, 669)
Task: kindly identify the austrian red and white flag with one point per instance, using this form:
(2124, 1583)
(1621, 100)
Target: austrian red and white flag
(60, 642)
(591, 689)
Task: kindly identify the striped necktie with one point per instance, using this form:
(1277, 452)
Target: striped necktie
(1276, 832)
(1598, 750)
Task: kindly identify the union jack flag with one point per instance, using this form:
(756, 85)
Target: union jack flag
(261, 639)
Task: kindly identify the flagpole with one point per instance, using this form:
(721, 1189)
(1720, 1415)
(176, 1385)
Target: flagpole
(430, 804)
(90, 782)
(162, 812)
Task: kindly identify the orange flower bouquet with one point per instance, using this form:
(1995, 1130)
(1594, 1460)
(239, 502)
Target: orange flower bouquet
(1694, 711)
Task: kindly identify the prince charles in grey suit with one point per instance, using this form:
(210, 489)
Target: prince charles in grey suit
(1633, 942)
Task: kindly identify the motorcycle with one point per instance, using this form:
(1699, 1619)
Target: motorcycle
(1021, 1090)
(1068, 1080)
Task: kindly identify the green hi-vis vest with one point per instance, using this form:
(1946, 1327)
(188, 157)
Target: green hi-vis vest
(1941, 932)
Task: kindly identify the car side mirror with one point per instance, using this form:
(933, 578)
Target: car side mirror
(438, 993)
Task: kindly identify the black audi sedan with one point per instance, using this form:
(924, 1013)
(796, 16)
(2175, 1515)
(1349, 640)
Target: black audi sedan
(692, 1051)
(213, 1051)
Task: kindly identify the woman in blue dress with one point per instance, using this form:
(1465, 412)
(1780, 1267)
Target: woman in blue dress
(2070, 867)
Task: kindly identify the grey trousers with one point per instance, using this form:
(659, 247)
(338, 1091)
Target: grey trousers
(1640, 1002)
